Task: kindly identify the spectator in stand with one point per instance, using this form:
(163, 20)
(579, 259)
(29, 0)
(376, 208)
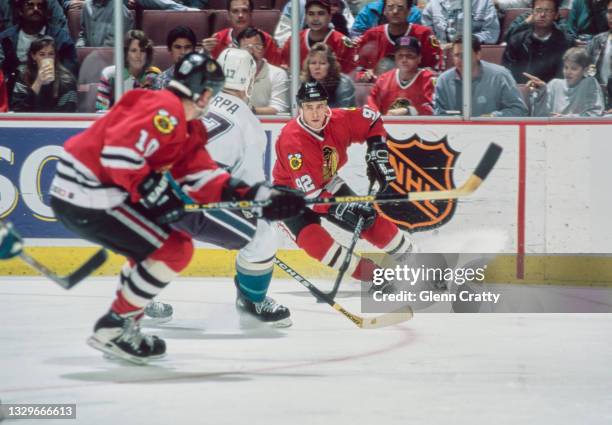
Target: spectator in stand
(586, 19)
(318, 17)
(284, 26)
(575, 95)
(44, 85)
(445, 17)
(182, 5)
(138, 72)
(8, 15)
(407, 90)
(494, 91)
(97, 24)
(378, 43)
(338, 20)
(321, 65)
(3, 94)
(525, 21)
(240, 16)
(270, 94)
(180, 41)
(372, 15)
(502, 5)
(32, 22)
(538, 49)
(600, 51)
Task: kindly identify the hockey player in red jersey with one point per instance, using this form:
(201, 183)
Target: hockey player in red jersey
(240, 15)
(379, 42)
(309, 152)
(407, 90)
(110, 188)
(318, 18)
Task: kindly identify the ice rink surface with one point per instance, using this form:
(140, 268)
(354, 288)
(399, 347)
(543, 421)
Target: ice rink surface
(435, 369)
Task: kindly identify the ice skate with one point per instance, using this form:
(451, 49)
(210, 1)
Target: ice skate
(267, 311)
(157, 313)
(120, 337)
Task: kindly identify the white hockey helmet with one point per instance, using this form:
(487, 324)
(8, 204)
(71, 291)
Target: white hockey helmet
(239, 68)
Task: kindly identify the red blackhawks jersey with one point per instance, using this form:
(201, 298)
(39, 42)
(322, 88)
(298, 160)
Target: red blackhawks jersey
(308, 161)
(145, 131)
(342, 46)
(226, 39)
(390, 93)
(376, 44)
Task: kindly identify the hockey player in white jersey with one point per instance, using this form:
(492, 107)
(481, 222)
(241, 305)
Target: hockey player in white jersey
(237, 142)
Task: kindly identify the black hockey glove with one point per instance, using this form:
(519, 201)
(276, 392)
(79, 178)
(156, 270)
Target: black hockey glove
(347, 215)
(164, 205)
(377, 160)
(284, 202)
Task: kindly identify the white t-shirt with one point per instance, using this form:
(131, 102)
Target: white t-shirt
(23, 44)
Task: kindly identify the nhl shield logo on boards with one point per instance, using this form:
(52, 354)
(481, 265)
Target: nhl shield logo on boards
(420, 166)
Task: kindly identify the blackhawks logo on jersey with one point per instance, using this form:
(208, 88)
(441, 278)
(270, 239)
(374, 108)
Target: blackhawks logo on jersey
(295, 161)
(420, 166)
(164, 122)
(330, 162)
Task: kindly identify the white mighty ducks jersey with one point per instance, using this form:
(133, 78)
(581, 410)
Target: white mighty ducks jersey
(236, 138)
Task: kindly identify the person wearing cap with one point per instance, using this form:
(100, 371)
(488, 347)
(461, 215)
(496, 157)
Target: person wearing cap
(240, 14)
(379, 42)
(310, 151)
(407, 90)
(494, 91)
(318, 18)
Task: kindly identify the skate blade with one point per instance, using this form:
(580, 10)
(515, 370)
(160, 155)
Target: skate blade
(154, 321)
(283, 323)
(117, 354)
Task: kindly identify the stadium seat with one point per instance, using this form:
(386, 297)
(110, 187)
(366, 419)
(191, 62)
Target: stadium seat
(280, 4)
(86, 97)
(157, 23)
(74, 23)
(162, 58)
(222, 4)
(492, 53)
(509, 16)
(90, 67)
(216, 4)
(362, 91)
(265, 20)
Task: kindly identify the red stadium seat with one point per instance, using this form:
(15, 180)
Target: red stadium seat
(157, 23)
(492, 53)
(222, 4)
(509, 16)
(362, 91)
(162, 58)
(280, 4)
(264, 20)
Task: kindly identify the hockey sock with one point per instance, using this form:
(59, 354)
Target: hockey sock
(318, 243)
(386, 236)
(144, 281)
(253, 278)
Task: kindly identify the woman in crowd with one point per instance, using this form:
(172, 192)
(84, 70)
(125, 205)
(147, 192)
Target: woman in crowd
(138, 72)
(321, 65)
(44, 85)
(577, 94)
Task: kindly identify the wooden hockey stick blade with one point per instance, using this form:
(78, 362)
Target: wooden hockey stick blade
(73, 278)
(381, 321)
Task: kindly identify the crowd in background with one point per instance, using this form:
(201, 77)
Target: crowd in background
(399, 57)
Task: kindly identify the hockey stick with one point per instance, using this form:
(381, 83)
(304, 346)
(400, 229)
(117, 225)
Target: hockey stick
(73, 278)
(349, 254)
(473, 182)
(388, 319)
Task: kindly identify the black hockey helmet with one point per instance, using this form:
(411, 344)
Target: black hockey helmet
(311, 91)
(194, 73)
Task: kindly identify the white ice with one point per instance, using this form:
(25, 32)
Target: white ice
(435, 369)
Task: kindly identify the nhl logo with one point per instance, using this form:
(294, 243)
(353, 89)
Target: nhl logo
(420, 166)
